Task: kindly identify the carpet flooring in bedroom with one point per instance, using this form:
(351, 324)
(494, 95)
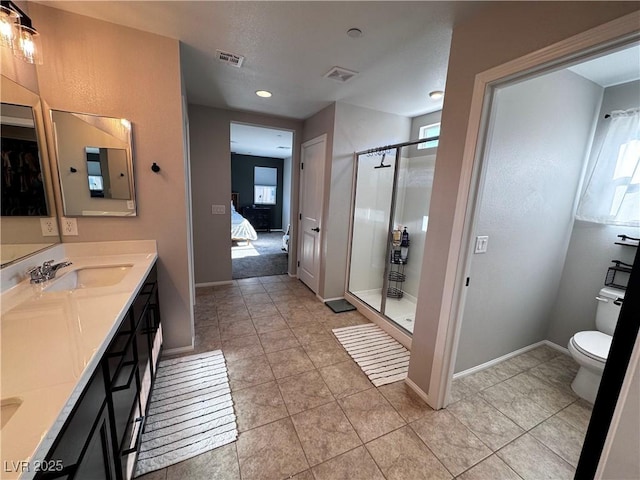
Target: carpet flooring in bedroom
(262, 257)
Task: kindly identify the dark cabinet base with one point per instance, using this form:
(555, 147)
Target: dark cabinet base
(101, 436)
(259, 217)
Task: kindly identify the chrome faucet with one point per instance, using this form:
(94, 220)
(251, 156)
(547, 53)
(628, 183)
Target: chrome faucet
(46, 271)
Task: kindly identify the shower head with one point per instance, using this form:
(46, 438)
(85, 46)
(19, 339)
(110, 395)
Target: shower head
(382, 165)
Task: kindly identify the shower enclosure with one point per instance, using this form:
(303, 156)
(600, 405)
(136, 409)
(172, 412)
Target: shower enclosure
(390, 215)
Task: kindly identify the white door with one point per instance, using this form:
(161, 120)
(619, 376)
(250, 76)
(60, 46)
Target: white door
(312, 164)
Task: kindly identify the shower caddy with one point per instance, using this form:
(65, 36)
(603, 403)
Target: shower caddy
(398, 259)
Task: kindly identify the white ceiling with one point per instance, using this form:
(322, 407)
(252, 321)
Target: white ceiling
(289, 46)
(612, 69)
(261, 142)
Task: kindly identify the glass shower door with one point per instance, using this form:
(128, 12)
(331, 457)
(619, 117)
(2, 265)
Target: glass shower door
(414, 181)
(375, 175)
(389, 228)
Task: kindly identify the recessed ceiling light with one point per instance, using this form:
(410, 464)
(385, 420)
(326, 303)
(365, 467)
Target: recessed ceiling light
(263, 93)
(436, 94)
(354, 32)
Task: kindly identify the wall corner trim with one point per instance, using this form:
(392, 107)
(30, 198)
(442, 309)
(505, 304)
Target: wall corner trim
(418, 391)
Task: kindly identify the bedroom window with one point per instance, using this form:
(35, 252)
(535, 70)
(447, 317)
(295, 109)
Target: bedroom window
(429, 131)
(265, 185)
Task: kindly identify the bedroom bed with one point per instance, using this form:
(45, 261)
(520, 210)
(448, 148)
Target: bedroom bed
(241, 229)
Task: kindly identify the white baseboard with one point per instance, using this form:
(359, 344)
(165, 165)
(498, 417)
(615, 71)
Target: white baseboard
(214, 284)
(555, 346)
(178, 351)
(332, 299)
(421, 393)
(520, 351)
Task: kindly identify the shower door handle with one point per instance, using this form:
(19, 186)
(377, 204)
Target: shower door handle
(317, 229)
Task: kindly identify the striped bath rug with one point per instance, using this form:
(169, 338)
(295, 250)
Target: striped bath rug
(379, 355)
(191, 411)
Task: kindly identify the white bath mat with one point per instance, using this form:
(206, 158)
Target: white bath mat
(191, 411)
(382, 358)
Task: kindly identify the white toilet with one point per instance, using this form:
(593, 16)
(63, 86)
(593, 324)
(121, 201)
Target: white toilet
(591, 348)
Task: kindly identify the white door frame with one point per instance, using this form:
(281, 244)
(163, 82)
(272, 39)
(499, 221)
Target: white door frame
(313, 141)
(608, 36)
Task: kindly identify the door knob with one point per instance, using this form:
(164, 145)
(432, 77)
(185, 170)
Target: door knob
(317, 229)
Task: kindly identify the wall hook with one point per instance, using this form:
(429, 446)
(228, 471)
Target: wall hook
(72, 170)
(155, 167)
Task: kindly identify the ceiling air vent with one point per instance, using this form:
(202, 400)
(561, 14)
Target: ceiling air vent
(340, 74)
(230, 58)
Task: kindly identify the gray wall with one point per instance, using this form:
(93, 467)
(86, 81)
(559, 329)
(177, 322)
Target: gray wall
(539, 135)
(242, 182)
(211, 184)
(103, 75)
(356, 129)
(592, 245)
(492, 37)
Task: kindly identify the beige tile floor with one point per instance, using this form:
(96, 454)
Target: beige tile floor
(306, 411)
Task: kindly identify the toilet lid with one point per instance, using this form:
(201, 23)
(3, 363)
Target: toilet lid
(593, 343)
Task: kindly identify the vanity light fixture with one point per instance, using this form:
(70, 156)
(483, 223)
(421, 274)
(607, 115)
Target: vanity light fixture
(263, 93)
(8, 18)
(436, 95)
(17, 32)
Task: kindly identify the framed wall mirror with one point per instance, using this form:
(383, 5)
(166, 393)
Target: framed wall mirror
(28, 220)
(95, 164)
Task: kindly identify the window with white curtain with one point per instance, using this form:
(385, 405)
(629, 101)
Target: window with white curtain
(612, 195)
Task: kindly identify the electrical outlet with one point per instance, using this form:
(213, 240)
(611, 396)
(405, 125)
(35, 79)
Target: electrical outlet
(49, 227)
(69, 227)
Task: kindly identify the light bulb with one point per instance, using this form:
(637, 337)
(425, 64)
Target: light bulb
(8, 19)
(28, 48)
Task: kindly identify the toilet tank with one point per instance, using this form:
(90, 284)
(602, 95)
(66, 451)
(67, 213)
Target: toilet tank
(608, 309)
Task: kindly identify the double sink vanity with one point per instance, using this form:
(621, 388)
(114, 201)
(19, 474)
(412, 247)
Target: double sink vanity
(79, 343)
(78, 358)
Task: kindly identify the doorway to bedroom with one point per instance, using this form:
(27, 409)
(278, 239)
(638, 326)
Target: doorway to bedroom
(261, 160)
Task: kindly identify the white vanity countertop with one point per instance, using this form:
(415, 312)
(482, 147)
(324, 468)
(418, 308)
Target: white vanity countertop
(51, 343)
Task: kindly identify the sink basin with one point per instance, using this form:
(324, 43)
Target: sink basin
(9, 406)
(89, 277)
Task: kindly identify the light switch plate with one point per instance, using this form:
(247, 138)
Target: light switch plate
(481, 244)
(49, 227)
(218, 209)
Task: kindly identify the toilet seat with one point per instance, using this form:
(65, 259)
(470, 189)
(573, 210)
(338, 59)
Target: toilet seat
(593, 344)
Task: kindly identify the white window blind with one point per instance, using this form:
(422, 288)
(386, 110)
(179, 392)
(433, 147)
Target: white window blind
(265, 185)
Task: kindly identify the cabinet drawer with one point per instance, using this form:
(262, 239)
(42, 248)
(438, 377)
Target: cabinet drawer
(124, 398)
(121, 351)
(129, 451)
(81, 423)
(147, 291)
